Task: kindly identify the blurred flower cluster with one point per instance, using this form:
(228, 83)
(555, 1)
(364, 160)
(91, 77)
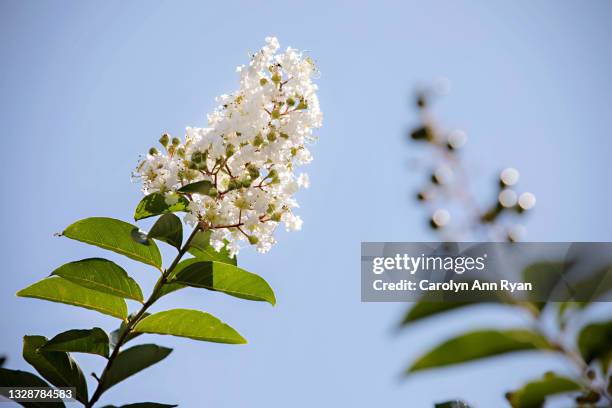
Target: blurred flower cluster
(244, 161)
(453, 210)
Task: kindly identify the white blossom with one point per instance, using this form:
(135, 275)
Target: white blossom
(249, 150)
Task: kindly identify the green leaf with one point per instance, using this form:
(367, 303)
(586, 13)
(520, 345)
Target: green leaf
(93, 341)
(545, 277)
(226, 278)
(117, 236)
(19, 379)
(55, 366)
(61, 290)
(133, 360)
(190, 323)
(595, 342)
(168, 229)
(101, 275)
(479, 344)
(200, 248)
(451, 404)
(155, 204)
(199, 187)
(142, 405)
(534, 393)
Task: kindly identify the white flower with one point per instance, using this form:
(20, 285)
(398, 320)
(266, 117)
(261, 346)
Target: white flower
(248, 151)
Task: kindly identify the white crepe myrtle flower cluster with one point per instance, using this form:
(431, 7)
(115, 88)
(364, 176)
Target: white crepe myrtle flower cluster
(248, 154)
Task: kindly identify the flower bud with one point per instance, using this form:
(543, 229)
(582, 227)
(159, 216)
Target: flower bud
(164, 139)
(253, 239)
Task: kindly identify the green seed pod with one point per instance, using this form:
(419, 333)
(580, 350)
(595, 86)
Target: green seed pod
(176, 141)
(164, 139)
(263, 81)
(276, 78)
(153, 151)
(253, 239)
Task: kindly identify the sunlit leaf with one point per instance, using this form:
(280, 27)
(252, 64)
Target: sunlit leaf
(101, 275)
(56, 289)
(133, 360)
(200, 248)
(92, 341)
(115, 235)
(190, 323)
(56, 367)
(155, 204)
(479, 344)
(226, 278)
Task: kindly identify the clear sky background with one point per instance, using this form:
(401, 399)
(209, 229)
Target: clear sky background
(85, 87)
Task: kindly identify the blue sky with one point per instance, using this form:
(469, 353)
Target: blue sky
(88, 86)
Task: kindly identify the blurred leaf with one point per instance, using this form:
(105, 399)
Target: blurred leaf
(169, 229)
(190, 323)
(200, 248)
(133, 360)
(61, 290)
(101, 275)
(534, 393)
(19, 379)
(545, 277)
(115, 334)
(595, 342)
(479, 344)
(155, 204)
(452, 404)
(55, 366)
(93, 341)
(424, 309)
(199, 187)
(228, 279)
(142, 405)
(117, 236)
